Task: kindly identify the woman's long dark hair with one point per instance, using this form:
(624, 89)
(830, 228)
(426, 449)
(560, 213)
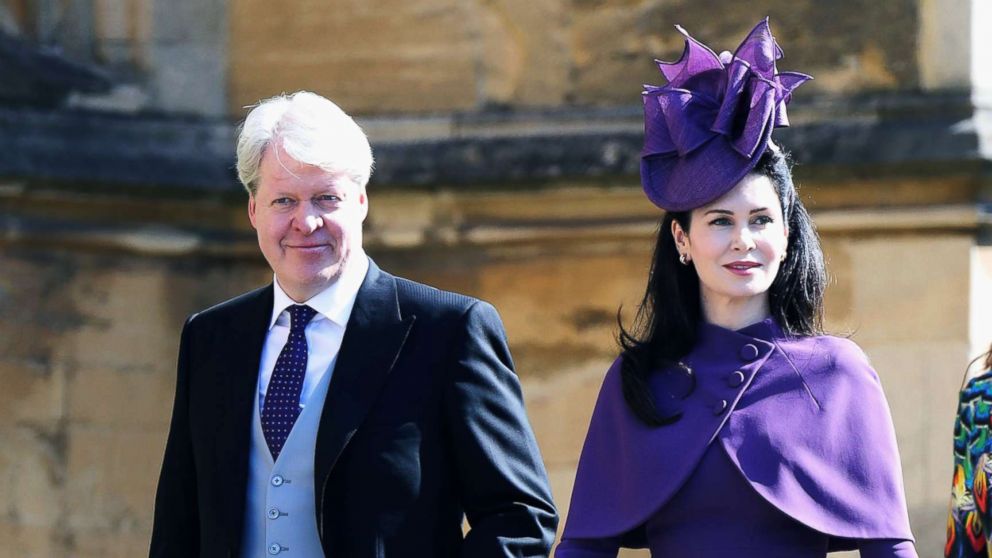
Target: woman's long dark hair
(667, 319)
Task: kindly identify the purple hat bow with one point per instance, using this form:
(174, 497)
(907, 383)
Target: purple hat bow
(708, 127)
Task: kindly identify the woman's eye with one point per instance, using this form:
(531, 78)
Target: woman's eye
(762, 220)
(720, 221)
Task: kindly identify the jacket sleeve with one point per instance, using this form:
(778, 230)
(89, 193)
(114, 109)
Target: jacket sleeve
(175, 531)
(501, 479)
(965, 529)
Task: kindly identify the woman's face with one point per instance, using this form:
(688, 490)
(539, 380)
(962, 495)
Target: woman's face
(736, 243)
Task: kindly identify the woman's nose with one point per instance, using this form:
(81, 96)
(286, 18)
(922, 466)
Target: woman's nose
(743, 240)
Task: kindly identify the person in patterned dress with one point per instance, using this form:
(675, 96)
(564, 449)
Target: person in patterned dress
(968, 519)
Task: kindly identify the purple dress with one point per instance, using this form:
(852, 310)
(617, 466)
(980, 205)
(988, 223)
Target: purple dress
(785, 449)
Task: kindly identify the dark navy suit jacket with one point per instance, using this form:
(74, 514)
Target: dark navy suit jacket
(423, 425)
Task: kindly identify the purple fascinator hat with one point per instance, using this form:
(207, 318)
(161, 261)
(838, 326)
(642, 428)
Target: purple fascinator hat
(708, 127)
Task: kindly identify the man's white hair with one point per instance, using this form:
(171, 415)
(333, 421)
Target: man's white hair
(311, 130)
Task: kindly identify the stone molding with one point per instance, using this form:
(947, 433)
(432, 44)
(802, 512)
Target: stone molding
(491, 149)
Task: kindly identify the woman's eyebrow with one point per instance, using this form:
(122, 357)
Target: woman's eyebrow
(728, 212)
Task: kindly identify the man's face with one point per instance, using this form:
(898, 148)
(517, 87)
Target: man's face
(308, 220)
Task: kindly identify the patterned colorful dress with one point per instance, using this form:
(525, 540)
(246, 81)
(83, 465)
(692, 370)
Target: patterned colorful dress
(968, 521)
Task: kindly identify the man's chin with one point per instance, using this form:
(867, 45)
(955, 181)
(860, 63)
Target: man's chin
(310, 284)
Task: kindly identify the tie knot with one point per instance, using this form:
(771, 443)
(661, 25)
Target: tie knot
(299, 316)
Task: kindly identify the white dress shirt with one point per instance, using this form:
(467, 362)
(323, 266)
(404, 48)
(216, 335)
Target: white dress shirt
(279, 500)
(324, 333)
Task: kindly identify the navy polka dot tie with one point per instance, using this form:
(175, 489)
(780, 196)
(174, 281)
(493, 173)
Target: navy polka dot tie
(282, 398)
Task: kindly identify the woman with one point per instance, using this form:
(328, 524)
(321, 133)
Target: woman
(730, 426)
(968, 521)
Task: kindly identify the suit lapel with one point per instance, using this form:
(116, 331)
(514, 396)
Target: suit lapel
(373, 339)
(242, 344)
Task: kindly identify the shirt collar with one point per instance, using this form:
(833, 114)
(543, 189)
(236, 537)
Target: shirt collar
(333, 303)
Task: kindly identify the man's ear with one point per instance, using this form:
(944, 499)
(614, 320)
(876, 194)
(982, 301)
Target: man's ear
(251, 210)
(363, 202)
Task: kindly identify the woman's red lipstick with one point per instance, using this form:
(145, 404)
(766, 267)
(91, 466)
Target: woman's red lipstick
(741, 267)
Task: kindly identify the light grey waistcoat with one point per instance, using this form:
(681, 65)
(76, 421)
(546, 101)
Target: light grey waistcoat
(280, 519)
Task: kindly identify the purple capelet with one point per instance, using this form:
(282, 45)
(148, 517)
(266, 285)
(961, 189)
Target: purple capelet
(708, 127)
(808, 427)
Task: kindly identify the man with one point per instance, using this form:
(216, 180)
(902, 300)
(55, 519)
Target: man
(342, 411)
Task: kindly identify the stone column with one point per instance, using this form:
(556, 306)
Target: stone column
(187, 56)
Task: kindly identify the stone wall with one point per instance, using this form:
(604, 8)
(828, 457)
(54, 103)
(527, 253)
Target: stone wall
(88, 364)
(445, 55)
(212, 58)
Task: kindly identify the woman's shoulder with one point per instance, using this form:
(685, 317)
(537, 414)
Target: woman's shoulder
(828, 355)
(975, 402)
(843, 346)
(977, 382)
(977, 376)
(612, 381)
(835, 349)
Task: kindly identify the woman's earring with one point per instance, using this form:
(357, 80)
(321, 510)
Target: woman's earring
(684, 258)
(784, 254)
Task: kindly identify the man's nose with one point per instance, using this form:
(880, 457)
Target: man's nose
(308, 219)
